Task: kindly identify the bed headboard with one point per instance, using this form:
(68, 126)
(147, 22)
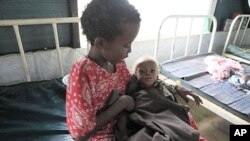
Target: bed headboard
(237, 43)
(239, 23)
(206, 20)
(45, 21)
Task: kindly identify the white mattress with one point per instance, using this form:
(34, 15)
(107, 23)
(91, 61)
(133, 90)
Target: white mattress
(43, 65)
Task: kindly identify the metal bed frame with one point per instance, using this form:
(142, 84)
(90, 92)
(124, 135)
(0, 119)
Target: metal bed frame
(207, 103)
(192, 17)
(237, 36)
(51, 21)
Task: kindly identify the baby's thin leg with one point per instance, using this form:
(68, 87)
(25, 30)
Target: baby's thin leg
(122, 104)
(192, 121)
(121, 127)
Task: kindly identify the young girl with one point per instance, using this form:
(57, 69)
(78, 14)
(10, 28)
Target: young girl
(110, 26)
(157, 98)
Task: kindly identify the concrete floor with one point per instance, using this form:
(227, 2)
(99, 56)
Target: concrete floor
(211, 126)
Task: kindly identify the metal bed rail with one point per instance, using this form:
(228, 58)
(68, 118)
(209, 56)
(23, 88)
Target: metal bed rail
(237, 18)
(192, 17)
(243, 23)
(52, 21)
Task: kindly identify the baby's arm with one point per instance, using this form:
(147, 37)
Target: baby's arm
(121, 127)
(183, 92)
(176, 88)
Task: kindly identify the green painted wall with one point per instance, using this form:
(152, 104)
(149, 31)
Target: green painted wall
(33, 37)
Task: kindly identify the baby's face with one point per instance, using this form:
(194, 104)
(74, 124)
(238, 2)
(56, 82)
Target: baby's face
(147, 73)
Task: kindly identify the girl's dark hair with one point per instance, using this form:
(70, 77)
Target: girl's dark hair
(103, 18)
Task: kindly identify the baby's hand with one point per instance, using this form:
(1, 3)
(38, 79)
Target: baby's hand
(184, 93)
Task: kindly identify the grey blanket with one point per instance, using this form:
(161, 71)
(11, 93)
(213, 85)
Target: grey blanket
(156, 118)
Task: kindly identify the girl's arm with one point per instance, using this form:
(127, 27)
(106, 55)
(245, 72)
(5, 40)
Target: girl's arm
(124, 102)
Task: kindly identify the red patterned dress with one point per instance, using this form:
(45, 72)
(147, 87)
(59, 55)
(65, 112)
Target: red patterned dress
(88, 88)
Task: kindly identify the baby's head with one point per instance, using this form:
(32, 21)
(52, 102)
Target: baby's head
(104, 18)
(146, 70)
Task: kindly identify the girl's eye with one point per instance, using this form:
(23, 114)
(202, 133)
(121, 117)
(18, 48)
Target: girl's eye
(127, 46)
(152, 71)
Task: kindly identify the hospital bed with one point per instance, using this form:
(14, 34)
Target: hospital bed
(32, 95)
(184, 62)
(237, 45)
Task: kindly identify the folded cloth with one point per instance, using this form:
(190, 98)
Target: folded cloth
(220, 67)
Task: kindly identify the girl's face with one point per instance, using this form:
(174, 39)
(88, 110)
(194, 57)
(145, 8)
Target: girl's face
(119, 49)
(147, 73)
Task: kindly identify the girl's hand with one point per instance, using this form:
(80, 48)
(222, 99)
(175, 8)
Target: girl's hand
(127, 102)
(184, 93)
